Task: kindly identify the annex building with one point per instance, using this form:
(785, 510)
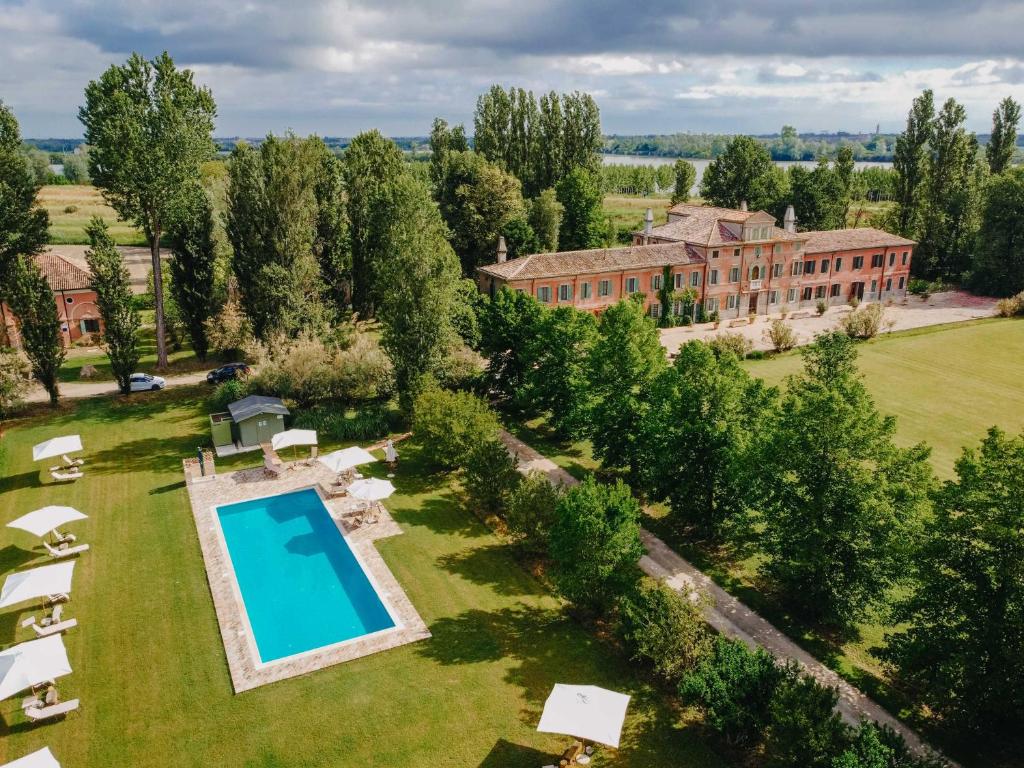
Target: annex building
(736, 262)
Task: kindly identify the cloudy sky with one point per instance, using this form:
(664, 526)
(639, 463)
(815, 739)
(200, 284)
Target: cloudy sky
(336, 67)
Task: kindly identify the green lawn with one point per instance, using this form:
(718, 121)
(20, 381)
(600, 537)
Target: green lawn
(149, 663)
(71, 206)
(180, 361)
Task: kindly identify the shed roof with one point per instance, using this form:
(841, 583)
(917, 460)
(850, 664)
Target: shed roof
(255, 405)
(61, 274)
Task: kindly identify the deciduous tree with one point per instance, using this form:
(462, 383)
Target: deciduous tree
(30, 298)
(558, 381)
(149, 129)
(194, 278)
(583, 225)
(743, 173)
(545, 217)
(685, 177)
(23, 224)
(998, 267)
(910, 162)
(508, 324)
(1003, 141)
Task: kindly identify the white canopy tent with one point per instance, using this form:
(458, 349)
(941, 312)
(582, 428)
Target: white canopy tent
(57, 446)
(586, 712)
(41, 521)
(371, 489)
(292, 437)
(42, 758)
(32, 663)
(38, 582)
(346, 458)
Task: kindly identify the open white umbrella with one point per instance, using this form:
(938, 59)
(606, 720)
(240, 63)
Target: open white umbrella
(371, 489)
(291, 437)
(346, 458)
(41, 521)
(38, 582)
(586, 712)
(56, 446)
(41, 758)
(32, 663)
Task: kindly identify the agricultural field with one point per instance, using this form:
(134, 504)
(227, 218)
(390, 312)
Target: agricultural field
(71, 206)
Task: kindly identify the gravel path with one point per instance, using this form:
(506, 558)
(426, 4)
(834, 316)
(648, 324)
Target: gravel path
(78, 389)
(728, 615)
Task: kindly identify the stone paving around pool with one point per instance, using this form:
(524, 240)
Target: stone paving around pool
(247, 671)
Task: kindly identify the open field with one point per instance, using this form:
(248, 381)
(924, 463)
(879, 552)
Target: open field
(628, 213)
(71, 206)
(149, 662)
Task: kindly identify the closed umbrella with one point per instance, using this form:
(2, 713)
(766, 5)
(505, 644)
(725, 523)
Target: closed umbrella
(371, 489)
(586, 712)
(46, 519)
(38, 582)
(32, 663)
(41, 758)
(56, 446)
(346, 458)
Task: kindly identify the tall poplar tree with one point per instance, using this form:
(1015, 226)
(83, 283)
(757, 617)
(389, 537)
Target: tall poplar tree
(910, 162)
(149, 128)
(23, 224)
(111, 282)
(1003, 141)
(194, 266)
(30, 297)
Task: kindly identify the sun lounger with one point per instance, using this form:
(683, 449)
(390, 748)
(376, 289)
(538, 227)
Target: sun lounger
(58, 597)
(61, 552)
(63, 537)
(68, 461)
(45, 712)
(54, 629)
(65, 477)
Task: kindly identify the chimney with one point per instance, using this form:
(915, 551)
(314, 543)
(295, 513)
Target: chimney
(743, 205)
(502, 249)
(648, 222)
(789, 221)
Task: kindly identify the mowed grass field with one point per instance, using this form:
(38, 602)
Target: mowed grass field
(71, 206)
(149, 663)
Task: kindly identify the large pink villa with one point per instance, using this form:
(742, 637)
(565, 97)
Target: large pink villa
(737, 261)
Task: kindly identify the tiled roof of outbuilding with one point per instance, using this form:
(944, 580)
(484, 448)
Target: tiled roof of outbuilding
(61, 274)
(545, 265)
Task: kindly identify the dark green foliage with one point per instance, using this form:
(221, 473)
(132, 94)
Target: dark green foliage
(194, 267)
(595, 543)
(148, 127)
(545, 217)
(1003, 141)
(998, 267)
(228, 392)
(417, 289)
(469, 304)
(805, 731)
(508, 325)
(520, 239)
(443, 141)
(663, 628)
(841, 502)
(558, 381)
(331, 245)
(450, 425)
(962, 650)
(734, 687)
(685, 176)
(370, 423)
(530, 511)
(626, 359)
(110, 280)
(271, 223)
(820, 196)
(490, 476)
(583, 224)
(743, 173)
(910, 162)
(372, 165)
(23, 224)
(31, 300)
(866, 749)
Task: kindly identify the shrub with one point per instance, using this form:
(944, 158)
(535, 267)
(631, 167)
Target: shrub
(15, 373)
(854, 302)
(595, 543)
(918, 287)
(226, 393)
(821, 307)
(734, 687)
(780, 335)
(449, 425)
(369, 423)
(804, 729)
(463, 369)
(663, 627)
(714, 317)
(490, 476)
(863, 323)
(1011, 306)
(229, 332)
(736, 343)
(530, 511)
(70, 208)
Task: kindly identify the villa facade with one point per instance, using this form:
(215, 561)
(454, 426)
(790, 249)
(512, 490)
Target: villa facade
(736, 262)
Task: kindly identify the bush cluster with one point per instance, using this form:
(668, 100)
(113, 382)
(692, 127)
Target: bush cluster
(372, 422)
(452, 425)
(735, 343)
(780, 335)
(1012, 306)
(863, 322)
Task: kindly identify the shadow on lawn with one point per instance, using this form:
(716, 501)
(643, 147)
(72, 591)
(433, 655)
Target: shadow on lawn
(491, 566)
(441, 515)
(24, 480)
(505, 754)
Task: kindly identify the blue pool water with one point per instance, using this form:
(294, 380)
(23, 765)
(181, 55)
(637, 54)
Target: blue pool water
(303, 587)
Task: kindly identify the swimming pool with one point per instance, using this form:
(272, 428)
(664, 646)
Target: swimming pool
(302, 585)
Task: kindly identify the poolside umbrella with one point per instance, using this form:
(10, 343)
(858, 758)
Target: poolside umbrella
(346, 458)
(56, 446)
(32, 663)
(371, 489)
(586, 712)
(42, 521)
(291, 437)
(38, 582)
(41, 758)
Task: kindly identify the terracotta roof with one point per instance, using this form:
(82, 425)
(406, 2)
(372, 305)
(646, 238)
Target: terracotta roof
(61, 274)
(851, 239)
(544, 265)
(704, 225)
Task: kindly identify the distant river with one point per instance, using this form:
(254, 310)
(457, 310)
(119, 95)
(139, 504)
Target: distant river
(702, 163)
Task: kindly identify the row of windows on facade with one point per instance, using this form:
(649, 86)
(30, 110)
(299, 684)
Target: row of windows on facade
(754, 272)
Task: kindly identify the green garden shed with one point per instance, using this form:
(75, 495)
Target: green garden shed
(257, 419)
